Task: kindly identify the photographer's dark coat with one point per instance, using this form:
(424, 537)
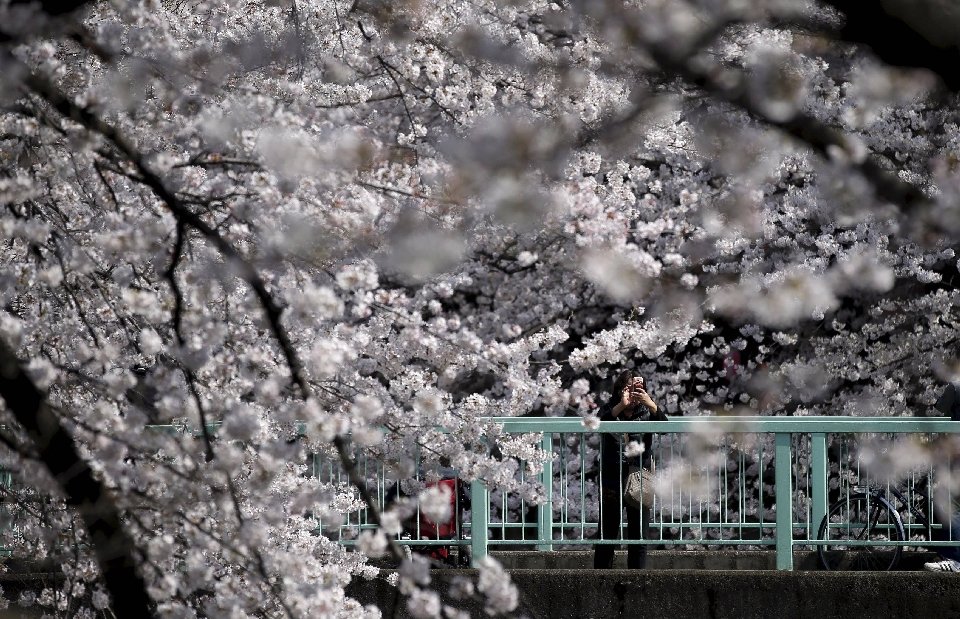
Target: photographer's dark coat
(612, 445)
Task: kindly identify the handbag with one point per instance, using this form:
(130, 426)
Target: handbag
(638, 491)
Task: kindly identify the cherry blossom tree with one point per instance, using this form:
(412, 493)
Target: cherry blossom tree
(238, 235)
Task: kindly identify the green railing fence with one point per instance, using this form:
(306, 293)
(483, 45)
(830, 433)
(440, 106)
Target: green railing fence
(723, 481)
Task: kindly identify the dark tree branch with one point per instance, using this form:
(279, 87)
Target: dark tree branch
(819, 136)
(114, 548)
(171, 275)
(244, 268)
(184, 215)
(210, 455)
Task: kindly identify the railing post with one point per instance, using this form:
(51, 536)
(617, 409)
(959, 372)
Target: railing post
(479, 520)
(784, 495)
(545, 509)
(818, 480)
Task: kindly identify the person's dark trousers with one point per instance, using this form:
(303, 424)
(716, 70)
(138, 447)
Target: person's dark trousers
(947, 532)
(637, 523)
(952, 552)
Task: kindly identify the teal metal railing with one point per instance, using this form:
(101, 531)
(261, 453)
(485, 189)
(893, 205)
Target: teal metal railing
(724, 481)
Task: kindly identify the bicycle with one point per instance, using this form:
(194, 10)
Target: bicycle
(869, 515)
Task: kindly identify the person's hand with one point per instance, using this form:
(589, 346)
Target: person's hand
(632, 396)
(639, 395)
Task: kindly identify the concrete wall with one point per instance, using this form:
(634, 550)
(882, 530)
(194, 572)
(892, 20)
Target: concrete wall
(676, 594)
(685, 560)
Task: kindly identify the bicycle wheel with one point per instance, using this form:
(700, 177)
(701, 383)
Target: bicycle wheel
(860, 518)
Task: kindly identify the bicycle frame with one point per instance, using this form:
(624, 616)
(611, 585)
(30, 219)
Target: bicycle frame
(881, 498)
(902, 504)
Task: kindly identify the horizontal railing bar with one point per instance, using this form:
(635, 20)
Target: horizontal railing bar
(417, 542)
(656, 525)
(641, 542)
(867, 542)
(736, 424)
(666, 542)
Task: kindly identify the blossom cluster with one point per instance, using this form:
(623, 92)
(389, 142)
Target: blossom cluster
(263, 257)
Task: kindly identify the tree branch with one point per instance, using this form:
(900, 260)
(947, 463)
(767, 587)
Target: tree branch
(114, 548)
(821, 137)
(184, 215)
(245, 269)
